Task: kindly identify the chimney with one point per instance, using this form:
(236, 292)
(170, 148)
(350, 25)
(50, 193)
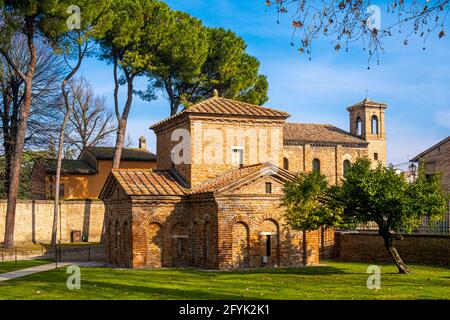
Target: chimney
(142, 143)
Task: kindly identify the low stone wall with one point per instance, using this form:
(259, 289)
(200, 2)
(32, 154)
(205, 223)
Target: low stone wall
(64, 253)
(34, 220)
(413, 248)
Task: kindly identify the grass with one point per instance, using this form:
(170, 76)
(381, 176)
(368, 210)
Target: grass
(8, 266)
(333, 280)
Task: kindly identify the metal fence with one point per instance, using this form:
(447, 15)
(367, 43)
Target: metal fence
(59, 253)
(441, 227)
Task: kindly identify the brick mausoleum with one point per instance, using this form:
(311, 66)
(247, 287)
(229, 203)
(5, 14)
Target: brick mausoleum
(213, 200)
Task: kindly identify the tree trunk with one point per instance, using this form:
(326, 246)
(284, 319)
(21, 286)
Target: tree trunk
(121, 128)
(121, 118)
(16, 161)
(69, 76)
(58, 178)
(389, 244)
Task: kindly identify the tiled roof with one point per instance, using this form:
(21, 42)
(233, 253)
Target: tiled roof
(223, 106)
(234, 175)
(68, 166)
(440, 143)
(368, 102)
(128, 154)
(148, 182)
(317, 133)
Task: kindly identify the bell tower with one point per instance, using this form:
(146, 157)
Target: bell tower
(367, 122)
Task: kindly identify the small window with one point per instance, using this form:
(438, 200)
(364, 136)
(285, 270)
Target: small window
(374, 124)
(375, 156)
(238, 156)
(268, 187)
(285, 164)
(268, 249)
(316, 165)
(346, 166)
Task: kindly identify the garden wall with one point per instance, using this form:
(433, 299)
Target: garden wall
(414, 248)
(34, 220)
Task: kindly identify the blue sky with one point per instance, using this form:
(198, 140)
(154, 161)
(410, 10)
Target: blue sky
(415, 83)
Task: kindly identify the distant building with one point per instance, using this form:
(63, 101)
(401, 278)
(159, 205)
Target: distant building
(84, 177)
(437, 159)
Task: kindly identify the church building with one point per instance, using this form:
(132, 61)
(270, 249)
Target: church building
(213, 200)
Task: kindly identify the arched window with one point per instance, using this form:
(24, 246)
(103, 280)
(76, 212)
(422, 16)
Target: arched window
(285, 163)
(374, 125)
(358, 126)
(346, 166)
(316, 165)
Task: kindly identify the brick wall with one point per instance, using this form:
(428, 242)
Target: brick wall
(438, 160)
(34, 220)
(413, 248)
(331, 158)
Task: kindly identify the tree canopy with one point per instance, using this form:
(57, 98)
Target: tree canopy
(365, 195)
(201, 60)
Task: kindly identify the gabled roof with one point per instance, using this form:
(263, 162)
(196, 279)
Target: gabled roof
(67, 166)
(148, 182)
(437, 145)
(128, 154)
(222, 106)
(235, 176)
(318, 133)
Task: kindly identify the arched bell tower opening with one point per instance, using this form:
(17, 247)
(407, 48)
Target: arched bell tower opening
(367, 122)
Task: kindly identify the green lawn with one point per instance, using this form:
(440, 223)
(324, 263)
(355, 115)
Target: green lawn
(8, 266)
(334, 280)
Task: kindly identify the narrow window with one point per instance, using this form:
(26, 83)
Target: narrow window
(180, 247)
(346, 166)
(268, 246)
(285, 164)
(358, 126)
(316, 165)
(238, 156)
(375, 156)
(374, 125)
(268, 187)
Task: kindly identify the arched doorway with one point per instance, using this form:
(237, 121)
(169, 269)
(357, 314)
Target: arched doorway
(180, 245)
(241, 246)
(269, 243)
(207, 243)
(155, 243)
(116, 245)
(125, 258)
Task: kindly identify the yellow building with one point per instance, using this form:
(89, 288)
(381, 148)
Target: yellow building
(84, 177)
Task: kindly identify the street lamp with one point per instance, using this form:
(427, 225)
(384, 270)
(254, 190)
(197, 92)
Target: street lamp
(413, 168)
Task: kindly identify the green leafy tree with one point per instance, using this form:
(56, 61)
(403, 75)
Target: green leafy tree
(180, 58)
(366, 195)
(198, 60)
(231, 70)
(129, 33)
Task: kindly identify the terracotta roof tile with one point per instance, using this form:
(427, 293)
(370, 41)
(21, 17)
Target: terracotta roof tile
(148, 182)
(368, 102)
(223, 106)
(316, 133)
